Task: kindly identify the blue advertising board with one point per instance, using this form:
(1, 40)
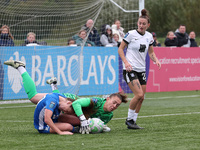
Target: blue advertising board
(95, 72)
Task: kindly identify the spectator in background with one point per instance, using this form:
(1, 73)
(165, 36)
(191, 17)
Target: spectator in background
(116, 38)
(81, 39)
(107, 37)
(155, 43)
(6, 36)
(92, 32)
(171, 39)
(192, 42)
(30, 40)
(116, 28)
(182, 36)
(71, 42)
(5, 40)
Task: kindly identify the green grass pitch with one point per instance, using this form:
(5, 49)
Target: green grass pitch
(170, 120)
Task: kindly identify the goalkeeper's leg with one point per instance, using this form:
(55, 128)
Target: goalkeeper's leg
(28, 83)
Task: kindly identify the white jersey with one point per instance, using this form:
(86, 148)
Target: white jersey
(137, 49)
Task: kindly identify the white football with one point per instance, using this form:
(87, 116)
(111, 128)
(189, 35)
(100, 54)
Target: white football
(96, 125)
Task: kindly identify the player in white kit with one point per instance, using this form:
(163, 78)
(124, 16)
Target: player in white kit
(138, 43)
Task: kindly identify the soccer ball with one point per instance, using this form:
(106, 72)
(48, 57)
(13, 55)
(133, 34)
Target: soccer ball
(96, 125)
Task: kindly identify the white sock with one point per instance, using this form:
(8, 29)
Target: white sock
(130, 114)
(135, 116)
(21, 69)
(54, 87)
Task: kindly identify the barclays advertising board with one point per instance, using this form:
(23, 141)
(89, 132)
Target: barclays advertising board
(92, 72)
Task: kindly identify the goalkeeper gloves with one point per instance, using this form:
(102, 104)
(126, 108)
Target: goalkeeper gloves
(84, 128)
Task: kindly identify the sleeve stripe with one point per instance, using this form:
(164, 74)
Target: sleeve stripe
(125, 41)
(151, 44)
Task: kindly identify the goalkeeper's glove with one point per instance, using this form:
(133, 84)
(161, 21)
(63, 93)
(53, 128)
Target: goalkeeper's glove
(85, 128)
(106, 128)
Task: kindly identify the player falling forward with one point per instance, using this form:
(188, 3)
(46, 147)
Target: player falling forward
(103, 107)
(48, 106)
(88, 105)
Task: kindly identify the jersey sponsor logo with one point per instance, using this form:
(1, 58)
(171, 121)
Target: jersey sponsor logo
(142, 48)
(94, 100)
(126, 35)
(52, 104)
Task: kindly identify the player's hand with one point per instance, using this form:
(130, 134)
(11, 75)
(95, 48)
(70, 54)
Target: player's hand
(158, 64)
(128, 67)
(106, 128)
(84, 128)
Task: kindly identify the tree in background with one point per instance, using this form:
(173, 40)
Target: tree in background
(167, 15)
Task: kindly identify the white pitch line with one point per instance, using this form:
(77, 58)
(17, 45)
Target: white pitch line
(174, 97)
(28, 101)
(15, 101)
(14, 121)
(163, 115)
(17, 106)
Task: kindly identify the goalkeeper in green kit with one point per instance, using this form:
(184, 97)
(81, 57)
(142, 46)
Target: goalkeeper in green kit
(102, 107)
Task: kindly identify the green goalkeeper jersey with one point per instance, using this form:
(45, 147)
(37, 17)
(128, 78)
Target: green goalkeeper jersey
(68, 95)
(84, 102)
(98, 105)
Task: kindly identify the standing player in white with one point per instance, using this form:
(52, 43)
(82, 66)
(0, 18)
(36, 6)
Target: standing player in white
(138, 43)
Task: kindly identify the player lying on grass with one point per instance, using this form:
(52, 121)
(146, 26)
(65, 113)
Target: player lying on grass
(104, 107)
(48, 106)
(79, 106)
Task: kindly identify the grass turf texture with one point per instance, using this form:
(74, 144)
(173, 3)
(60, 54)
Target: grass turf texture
(170, 119)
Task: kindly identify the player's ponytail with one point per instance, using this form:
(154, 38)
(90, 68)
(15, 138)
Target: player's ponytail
(144, 14)
(121, 96)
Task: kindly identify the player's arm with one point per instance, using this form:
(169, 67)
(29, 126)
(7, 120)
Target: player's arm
(153, 57)
(49, 121)
(77, 106)
(122, 46)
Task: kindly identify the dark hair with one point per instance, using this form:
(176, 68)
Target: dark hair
(88, 111)
(182, 25)
(144, 14)
(71, 40)
(70, 99)
(121, 96)
(104, 31)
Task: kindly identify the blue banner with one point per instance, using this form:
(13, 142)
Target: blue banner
(93, 71)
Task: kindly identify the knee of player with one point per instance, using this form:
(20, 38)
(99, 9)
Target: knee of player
(140, 96)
